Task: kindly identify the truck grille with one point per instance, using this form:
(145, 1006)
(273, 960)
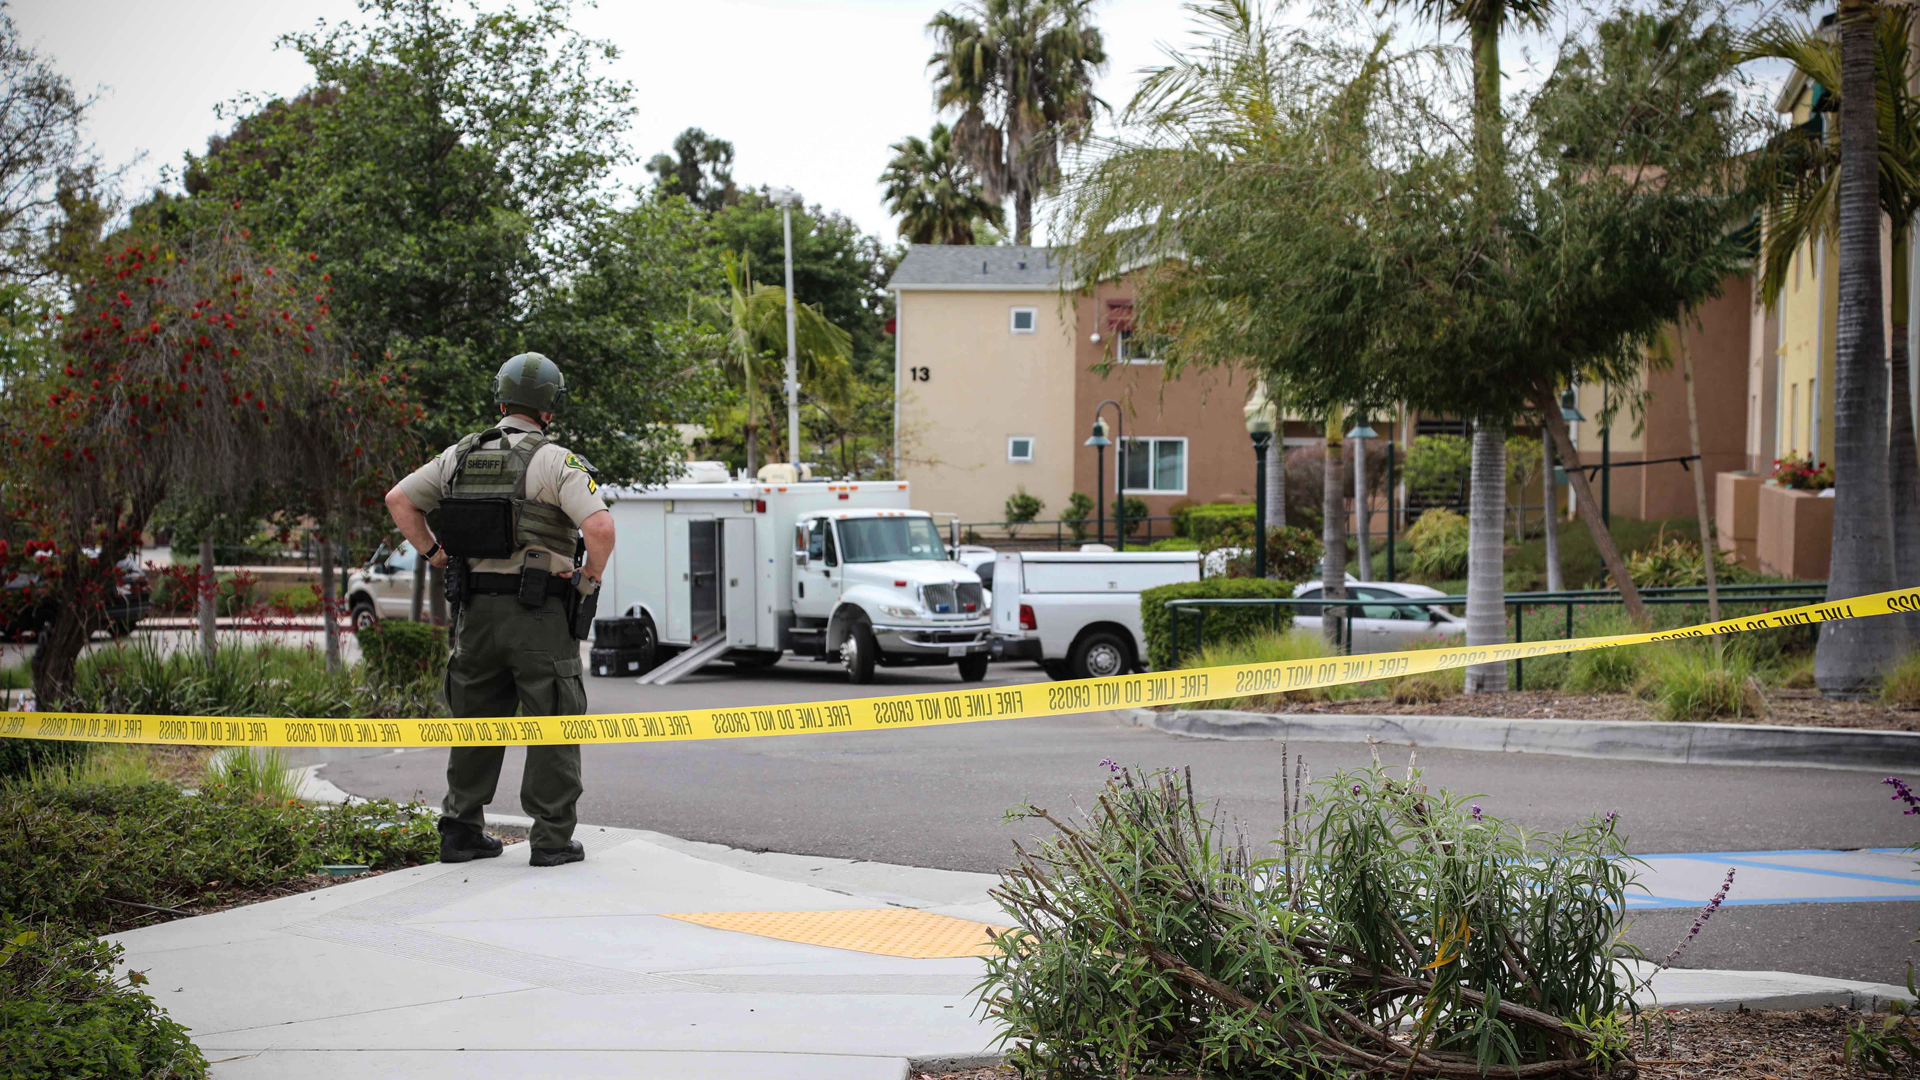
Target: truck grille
(939, 599)
(970, 596)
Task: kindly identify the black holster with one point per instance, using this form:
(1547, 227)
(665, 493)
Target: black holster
(580, 613)
(457, 586)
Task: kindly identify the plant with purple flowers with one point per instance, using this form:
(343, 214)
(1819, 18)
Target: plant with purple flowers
(1111, 765)
(1903, 793)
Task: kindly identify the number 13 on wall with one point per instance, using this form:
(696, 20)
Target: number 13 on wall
(920, 374)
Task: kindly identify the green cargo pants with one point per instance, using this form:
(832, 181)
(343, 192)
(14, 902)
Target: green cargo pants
(510, 660)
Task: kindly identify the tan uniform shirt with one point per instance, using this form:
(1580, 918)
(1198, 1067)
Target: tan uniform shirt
(555, 477)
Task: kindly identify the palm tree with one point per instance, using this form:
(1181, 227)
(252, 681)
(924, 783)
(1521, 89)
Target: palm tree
(935, 192)
(1487, 503)
(753, 318)
(1801, 188)
(1021, 74)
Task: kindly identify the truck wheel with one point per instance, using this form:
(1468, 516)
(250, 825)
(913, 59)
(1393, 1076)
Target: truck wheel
(1101, 654)
(973, 668)
(363, 614)
(858, 652)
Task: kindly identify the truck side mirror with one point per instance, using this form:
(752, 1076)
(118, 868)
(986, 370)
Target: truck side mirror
(799, 558)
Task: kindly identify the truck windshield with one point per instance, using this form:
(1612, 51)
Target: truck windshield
(889, 539)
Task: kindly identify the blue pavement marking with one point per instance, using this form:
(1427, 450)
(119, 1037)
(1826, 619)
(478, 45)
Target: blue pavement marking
(1689, 879)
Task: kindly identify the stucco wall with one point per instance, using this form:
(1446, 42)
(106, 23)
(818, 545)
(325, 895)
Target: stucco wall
(1205, 407)
(983, 383)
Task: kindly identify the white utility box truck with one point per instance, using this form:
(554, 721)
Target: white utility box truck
(720, 567)
(1078, 612)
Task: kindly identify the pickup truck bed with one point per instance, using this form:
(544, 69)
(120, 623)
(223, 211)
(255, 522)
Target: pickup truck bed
(1078, 613)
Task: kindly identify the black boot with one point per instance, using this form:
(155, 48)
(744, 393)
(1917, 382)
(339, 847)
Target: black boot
(460, 842)
(573, 852)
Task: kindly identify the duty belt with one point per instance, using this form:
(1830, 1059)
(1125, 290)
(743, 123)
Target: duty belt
(509, 584)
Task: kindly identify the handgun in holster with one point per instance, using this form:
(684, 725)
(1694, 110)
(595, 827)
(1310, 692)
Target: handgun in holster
(581, 609)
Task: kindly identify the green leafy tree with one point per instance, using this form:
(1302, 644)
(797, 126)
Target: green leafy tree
(753, 320)
(934, 192)
(700, 170)
(1801, 186)
(1317, 213)
(43, 149)
(836, 268)
(449, 167)
(1020, 73)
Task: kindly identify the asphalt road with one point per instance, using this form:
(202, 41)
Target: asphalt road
(938, 797)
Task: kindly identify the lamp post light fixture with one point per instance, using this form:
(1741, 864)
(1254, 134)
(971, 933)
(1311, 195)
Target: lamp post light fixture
(1259, 415)
(788, 198)
(1100, 442)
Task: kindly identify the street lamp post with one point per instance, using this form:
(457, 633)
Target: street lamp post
(1100, 442)
(788, 198)
(1259, 415)
(1363, 523)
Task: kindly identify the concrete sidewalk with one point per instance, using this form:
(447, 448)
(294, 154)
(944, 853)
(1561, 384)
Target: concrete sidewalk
(655, 958)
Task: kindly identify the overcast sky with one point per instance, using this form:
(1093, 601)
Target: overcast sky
(811, 92)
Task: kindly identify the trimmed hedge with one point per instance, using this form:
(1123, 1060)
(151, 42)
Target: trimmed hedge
(1201, 522)
(1219, 624)
(399, 653)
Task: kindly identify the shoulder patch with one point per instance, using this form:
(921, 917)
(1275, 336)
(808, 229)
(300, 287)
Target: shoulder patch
(575, 461)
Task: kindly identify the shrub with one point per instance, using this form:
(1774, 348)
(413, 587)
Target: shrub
(295, 600)
(74, 843)
(1206, 521)
(1438, 465)
(1293, 554)
(1136, 511)
(1174, 543)
(1146, 943)
(1179, 512)
(1439, 542)
(397, 653)
(1079, 508)
(1677, 562)
(1802, 473)
(1219, 625)
(22, 757)
(1686, 683)
(1902, 688)
(1021, 508)
(63, 1012)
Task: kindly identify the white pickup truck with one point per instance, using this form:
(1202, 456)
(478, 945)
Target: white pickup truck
(1078, 612)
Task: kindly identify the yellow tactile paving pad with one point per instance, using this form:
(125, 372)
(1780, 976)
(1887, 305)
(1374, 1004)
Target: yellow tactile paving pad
(904, 932)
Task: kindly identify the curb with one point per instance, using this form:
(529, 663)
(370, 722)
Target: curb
(1630, 740)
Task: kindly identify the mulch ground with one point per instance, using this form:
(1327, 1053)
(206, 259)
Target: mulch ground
(220, 898)
(1687, 1045)
(1804, 708)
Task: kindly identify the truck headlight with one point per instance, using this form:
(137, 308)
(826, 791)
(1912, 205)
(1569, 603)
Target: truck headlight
(900, 612)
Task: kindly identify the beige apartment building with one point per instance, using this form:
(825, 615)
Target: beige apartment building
(999, 372)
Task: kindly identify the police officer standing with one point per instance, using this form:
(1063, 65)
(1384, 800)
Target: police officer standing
(504, 510)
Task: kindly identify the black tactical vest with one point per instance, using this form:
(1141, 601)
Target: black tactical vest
(486, 513)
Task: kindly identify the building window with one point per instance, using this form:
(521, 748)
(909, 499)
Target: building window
(1133, 347)
(1155, 466)
(1019, 448)
(1022, 320)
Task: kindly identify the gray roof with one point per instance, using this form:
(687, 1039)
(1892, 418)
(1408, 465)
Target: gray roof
(976, 266)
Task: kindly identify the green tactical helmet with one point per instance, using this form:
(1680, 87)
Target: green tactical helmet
(531, 381)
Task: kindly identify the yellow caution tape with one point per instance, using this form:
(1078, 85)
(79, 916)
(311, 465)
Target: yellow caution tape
(883, 713)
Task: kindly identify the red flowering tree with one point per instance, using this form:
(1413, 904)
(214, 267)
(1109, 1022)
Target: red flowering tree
(190, 362)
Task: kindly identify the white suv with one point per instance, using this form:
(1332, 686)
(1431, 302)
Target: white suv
(383, 588)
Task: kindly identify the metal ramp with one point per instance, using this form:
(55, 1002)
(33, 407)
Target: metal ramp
(686, 663)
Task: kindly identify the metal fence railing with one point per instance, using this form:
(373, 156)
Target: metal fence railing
(1517, 604)
(1064, 534)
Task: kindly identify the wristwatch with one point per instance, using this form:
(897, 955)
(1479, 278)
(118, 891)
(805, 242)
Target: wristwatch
(432, 551)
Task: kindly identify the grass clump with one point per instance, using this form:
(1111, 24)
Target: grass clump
(64, 1013)
(1902, 688)
(1269, 649)
(1685, 682)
